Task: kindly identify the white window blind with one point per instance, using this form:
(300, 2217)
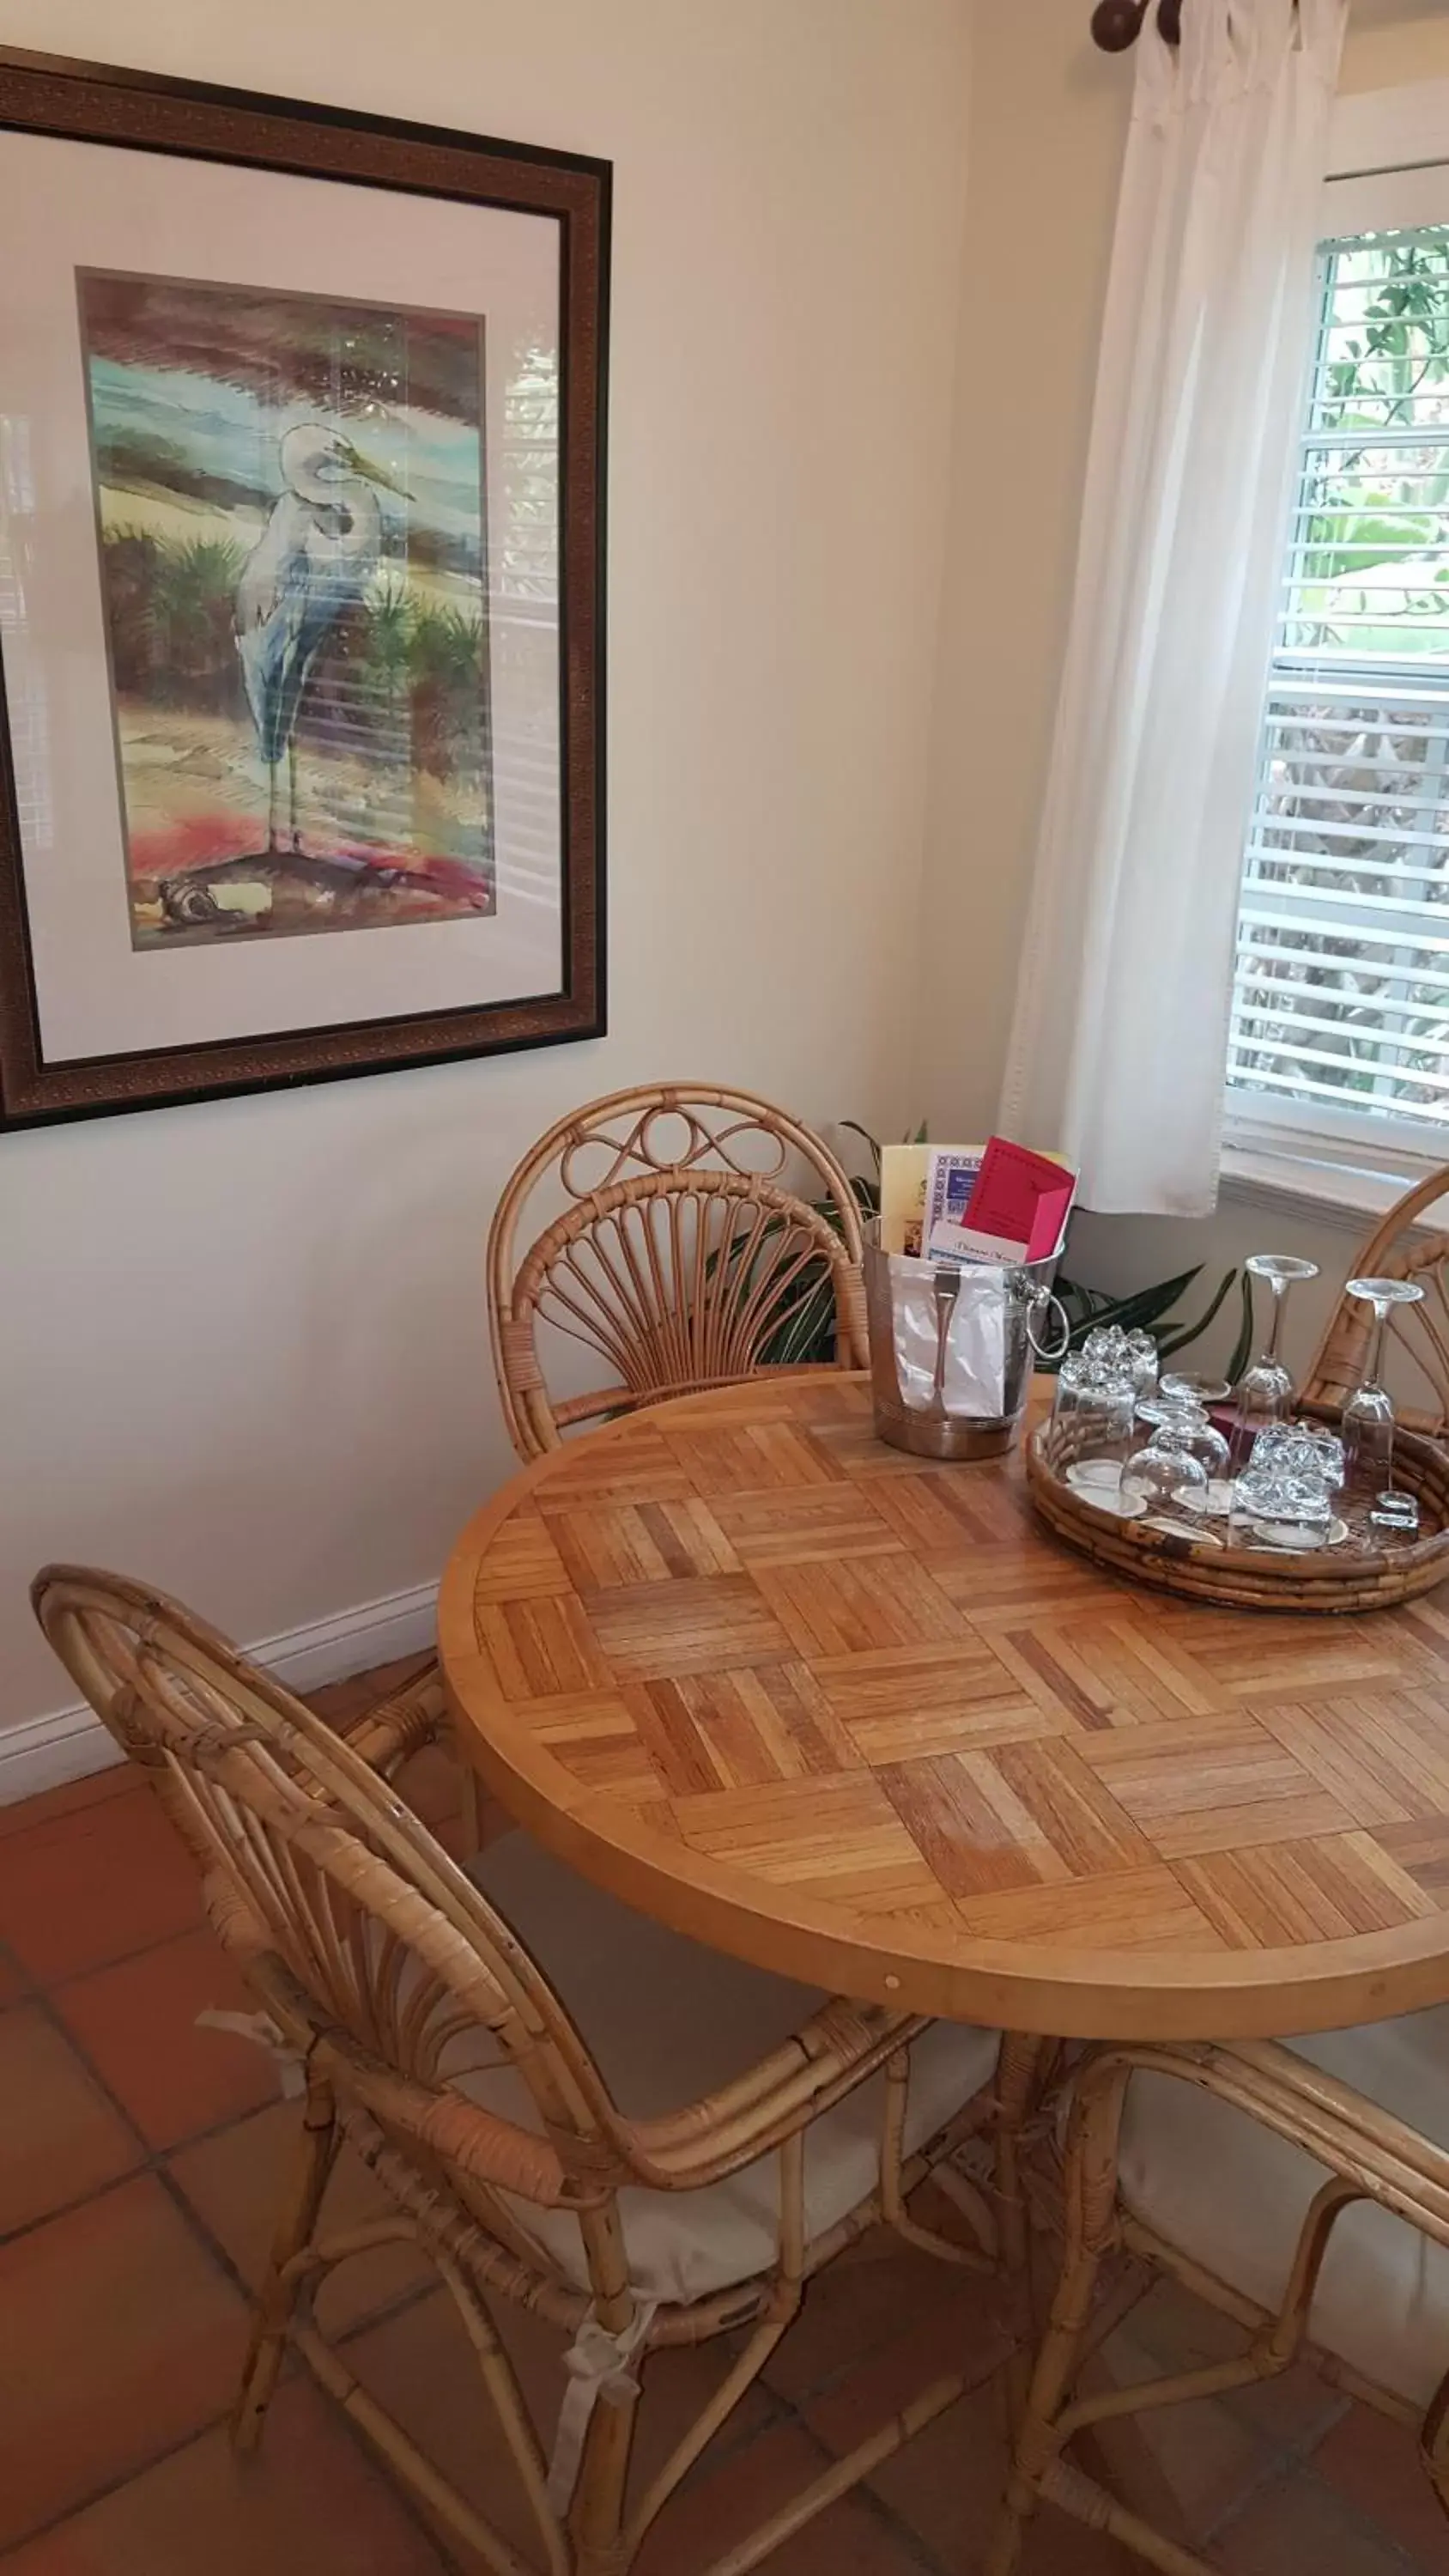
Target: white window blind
(1341, 991)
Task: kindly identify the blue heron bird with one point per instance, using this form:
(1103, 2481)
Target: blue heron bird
(314, 557)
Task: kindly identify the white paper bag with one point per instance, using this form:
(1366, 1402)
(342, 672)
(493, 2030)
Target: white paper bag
(974, 1381)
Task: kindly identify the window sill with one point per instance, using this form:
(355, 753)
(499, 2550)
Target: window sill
(1333, 1192)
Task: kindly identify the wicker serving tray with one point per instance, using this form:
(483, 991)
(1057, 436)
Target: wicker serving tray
(1340, 1579)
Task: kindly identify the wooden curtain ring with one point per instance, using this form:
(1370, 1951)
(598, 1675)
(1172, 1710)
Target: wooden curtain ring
(1116, 24)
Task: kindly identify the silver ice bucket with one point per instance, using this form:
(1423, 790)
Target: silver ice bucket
(952, 1349)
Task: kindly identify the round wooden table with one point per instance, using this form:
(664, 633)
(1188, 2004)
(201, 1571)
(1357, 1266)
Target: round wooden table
(861, 1720)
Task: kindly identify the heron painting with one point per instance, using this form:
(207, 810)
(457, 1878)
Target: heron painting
(290, 505)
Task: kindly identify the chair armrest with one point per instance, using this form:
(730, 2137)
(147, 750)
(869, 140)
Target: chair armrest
(1391, 2162)
(395, 1728)
(837, 2049)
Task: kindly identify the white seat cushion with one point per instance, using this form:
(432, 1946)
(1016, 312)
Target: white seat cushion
(1233, 2196)
(667, 2021)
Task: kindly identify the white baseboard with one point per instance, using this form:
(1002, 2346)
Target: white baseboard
(69, 1743)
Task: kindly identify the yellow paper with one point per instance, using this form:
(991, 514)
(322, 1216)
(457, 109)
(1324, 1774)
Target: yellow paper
(903, 1170)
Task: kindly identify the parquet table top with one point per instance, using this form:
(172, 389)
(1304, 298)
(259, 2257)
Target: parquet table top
(860, 1719)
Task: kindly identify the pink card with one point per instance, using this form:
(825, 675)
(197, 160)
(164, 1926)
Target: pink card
(1021, 1197)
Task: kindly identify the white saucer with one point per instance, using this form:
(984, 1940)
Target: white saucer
(1095, 1477)
(1099, 1482)
(1296, 1541)
(1183, 1529)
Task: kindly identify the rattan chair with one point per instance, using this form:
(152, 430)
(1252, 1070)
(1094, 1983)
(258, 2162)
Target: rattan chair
(669, 2154)
(1399, 1248)
(1303, 2190)
(684, 1255)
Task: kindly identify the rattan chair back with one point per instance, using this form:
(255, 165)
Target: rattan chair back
(337, 1899)
(703, 1235)
(1398, 1248)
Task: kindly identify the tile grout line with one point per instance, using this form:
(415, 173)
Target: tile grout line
(908, 2543)
(24, 1982)
(109, 2487)
(1290, 2460)
(151, 2159)
(1362, 2524)
(196, 2227)
(398, 2488)
(11, 1831)
(202, 2432)
(154, 2164)
(915, 2547)
(37, 1985)
(152, 2167)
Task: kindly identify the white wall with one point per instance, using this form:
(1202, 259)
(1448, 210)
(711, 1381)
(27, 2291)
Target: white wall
(242, 1346)
(1392, 41)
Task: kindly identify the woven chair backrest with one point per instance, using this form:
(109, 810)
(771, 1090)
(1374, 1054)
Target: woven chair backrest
(1417, 1366)
(700, 1235)
(335, 1894)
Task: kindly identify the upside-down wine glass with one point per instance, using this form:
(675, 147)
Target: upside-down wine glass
(1368, 1416)
(1196, 1427)
(1194, 1386)
(1265, 1390)
(1164, 1476)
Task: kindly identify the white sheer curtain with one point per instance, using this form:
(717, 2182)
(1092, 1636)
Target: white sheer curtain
(1120, 1035)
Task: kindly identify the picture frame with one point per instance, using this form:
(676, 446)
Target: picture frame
(302, 554)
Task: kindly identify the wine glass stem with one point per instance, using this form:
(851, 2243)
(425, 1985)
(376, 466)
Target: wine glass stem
(1275, 1323)
(1376, 1378)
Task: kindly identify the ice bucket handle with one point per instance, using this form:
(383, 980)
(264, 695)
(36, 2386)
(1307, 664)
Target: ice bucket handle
(1044, 1301)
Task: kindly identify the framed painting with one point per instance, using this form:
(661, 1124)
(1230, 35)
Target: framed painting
(301, 592)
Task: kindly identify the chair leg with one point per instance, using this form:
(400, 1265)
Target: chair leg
(472, 1810)
(1023, 2064)
(316, 2153)
(599, 2498)
(1434, 2442)
(506, 2397)
(1091, 2195)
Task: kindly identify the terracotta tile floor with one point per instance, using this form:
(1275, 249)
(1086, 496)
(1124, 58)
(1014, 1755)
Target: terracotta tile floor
(138, 2158)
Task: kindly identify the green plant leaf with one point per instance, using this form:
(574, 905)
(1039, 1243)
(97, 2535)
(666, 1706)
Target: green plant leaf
(1242, 1350)
(1179, 1336)
(1145, 1306)
(853, 1127)
(807, 1332)
(1075, 1301)
(1082, 1307)
(1142, 1309)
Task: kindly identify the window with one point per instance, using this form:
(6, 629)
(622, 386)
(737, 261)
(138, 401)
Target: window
(1340, 1018)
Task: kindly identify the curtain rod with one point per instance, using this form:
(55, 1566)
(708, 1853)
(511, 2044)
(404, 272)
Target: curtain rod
(1116, 24)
